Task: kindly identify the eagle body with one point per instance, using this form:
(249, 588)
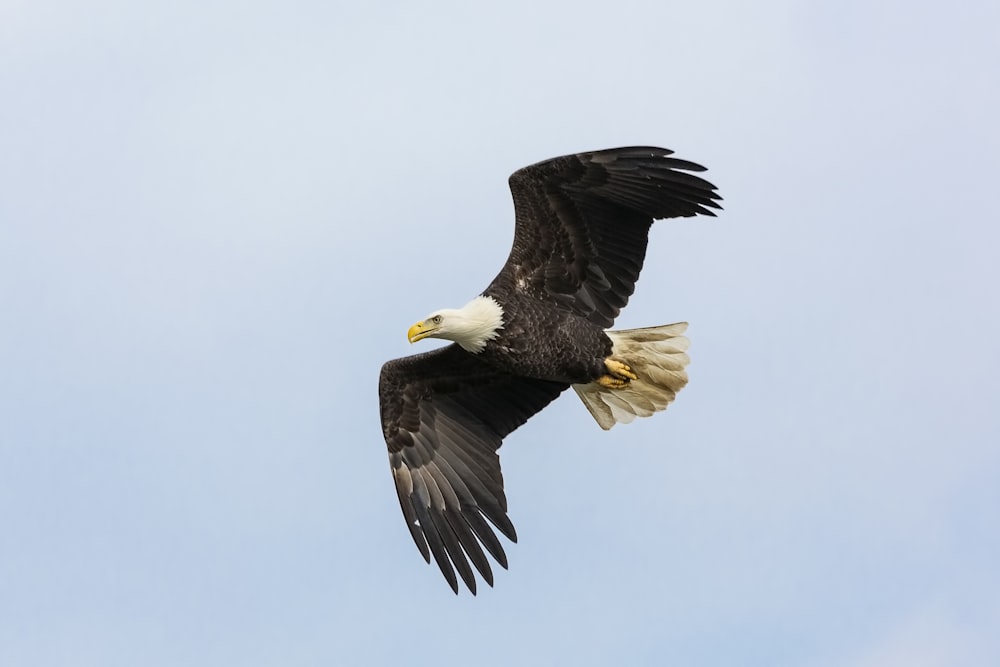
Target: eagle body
(540, 327)
(540, 342)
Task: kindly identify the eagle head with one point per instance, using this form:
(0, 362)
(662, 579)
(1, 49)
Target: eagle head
(471, 326)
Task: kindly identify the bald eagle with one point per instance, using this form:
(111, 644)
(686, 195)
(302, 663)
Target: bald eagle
(540, 327)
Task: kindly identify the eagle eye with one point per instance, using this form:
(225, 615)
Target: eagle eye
(436, 319)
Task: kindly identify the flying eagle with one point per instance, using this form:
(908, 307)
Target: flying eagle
(540, 327)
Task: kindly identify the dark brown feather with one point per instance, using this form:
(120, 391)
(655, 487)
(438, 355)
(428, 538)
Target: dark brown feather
(444, 415)
(582, 223)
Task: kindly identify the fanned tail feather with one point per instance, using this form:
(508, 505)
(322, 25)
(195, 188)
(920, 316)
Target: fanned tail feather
(658, 356)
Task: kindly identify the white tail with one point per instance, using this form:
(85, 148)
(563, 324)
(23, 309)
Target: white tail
(658, 356)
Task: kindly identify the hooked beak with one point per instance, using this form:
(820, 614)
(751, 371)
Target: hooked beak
(419, 331)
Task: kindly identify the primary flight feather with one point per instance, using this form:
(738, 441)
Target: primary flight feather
(541, 326)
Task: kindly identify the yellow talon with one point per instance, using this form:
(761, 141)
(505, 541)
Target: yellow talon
(620, 370)
(619, 375)
(611, 382)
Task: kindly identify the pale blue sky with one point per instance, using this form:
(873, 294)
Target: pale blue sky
(218, 219)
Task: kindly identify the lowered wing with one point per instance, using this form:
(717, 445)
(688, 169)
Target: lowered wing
(444, 415)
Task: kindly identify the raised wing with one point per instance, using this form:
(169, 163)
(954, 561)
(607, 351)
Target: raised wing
(582, 223)
(444, 415)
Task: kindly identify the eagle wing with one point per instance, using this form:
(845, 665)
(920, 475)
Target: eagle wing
(582, 223)
(444, 415)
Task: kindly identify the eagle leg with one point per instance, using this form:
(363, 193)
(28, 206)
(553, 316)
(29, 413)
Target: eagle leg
(618, 376)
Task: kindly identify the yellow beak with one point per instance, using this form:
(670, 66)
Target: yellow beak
(418, 331)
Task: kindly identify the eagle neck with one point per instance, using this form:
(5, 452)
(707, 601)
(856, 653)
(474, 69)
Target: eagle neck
(480, 321)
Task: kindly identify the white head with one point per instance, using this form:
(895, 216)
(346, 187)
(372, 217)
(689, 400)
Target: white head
(471, 326)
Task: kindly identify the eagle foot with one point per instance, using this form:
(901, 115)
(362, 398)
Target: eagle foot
(618, 376)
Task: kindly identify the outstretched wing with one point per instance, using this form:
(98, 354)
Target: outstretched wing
(582, 223)
(444, 415)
